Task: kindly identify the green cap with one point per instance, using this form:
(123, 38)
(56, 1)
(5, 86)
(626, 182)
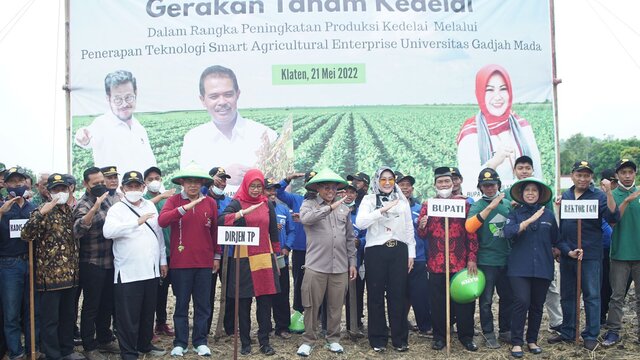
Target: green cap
(323, 176)
(192, 171)
(518, 186)
(466, 288)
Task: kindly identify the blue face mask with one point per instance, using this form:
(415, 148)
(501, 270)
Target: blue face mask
(17, 191)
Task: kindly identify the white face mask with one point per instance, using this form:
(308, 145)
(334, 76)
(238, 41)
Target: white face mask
(61, 197)
(216, 190)
(445, 193)
(133, 196)
(154, 186)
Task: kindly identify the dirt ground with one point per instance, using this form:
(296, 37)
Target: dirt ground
(420, 348)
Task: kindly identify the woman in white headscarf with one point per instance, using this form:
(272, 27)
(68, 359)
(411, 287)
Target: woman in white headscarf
(389, 256)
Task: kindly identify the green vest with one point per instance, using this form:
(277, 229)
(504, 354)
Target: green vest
(625, 240)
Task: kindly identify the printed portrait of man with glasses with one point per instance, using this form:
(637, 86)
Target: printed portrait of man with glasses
(117, 135)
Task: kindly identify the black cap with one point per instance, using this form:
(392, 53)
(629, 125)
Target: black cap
(360, 176)
(400, 177)
(488, 176)
(622, 163)
(109, 170)
(15, 171)
(271, 183)
(608, 174)
(132, 176)
(70, 179)
(350, 185)
(308, 176)
(219, 172)
(150, 170)
(582, 165)
(455, 172)
(56, 179)
(441, 171)
(524, 159)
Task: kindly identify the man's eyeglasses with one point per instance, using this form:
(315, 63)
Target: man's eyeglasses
(129, 99)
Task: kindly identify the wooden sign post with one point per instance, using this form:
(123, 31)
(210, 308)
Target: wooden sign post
(447, 208)
(237, 236)
(578, 209)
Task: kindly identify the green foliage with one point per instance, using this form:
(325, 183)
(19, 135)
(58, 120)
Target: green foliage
(603, 153)
(412, 139)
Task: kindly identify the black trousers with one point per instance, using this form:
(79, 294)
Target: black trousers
(163, 294)
(97, 305)
(298, 258)
(263, 315)
(56, 322)
(212, 299)
(463, 313)
(387, 273)
(281, 303)
(135, 306)
(529, 295)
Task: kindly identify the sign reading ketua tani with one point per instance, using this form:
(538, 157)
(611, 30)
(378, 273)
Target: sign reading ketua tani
(453, 208)
(238, 235)
(579, 209)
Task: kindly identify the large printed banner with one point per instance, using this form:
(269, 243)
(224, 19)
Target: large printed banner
(345, 84)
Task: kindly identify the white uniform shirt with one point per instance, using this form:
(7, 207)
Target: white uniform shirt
(395, 224)
(209, 147)
(115, 144)
(137, 251)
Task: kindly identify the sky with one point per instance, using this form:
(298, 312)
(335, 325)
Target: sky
(597, 48)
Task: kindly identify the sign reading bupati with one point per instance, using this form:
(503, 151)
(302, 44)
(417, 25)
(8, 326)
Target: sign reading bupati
(15, 227)
(579, 209)
(238, 235)
(452, 208)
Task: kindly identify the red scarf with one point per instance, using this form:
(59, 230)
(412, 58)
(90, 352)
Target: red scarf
(243, 192)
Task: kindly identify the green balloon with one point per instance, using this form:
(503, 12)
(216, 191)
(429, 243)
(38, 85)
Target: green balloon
(465, 288)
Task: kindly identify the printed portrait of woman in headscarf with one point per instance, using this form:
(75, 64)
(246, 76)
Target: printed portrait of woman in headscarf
(495, 137)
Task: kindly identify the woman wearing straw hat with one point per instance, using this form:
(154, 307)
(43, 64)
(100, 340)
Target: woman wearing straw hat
(533, 231)
(259, 274)
(194, 253)
(390, 252)
(330, 261)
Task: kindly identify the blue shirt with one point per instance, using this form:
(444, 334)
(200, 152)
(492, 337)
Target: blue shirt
(287, 232)
(531, 251)
(293, 201)
(607, 230)
(361, 235)
(421, 244)
(8, 246)
(591, 228)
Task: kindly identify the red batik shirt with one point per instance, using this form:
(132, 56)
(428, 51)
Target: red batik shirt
(463, 246)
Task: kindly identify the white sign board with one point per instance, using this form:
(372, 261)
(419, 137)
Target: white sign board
(15, 227)
(579, 209)
(238, 235)
(452, 208)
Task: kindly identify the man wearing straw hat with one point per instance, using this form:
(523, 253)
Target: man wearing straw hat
(590, 254)
(194, 253)
(330, 259)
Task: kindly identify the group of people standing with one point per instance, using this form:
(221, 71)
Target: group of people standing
(127, 238)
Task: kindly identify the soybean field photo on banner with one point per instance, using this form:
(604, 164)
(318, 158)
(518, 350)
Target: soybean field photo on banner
(412, 139)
